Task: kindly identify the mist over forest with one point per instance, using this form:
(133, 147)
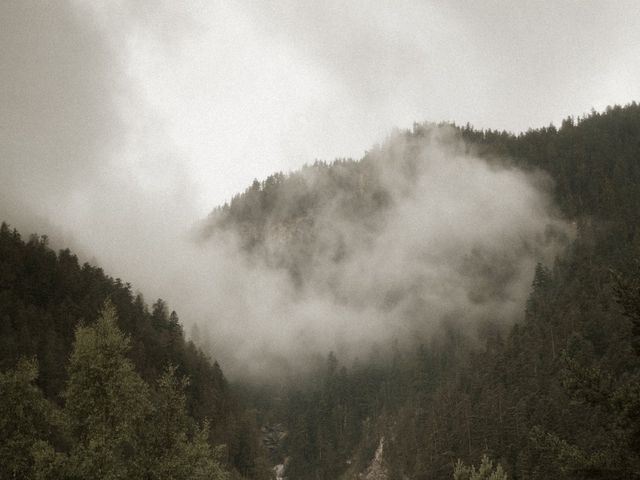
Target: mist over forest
(319, 241)
(352, 255)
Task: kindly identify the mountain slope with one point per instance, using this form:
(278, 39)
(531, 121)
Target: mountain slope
(517, 393)
(45, 296)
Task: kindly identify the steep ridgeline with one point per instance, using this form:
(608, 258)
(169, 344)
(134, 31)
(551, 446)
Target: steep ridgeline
(286, 220)
(354, 254)
(45, 297)
(553, 395)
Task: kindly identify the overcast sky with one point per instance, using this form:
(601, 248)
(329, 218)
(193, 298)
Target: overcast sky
(140, 116)
(218, 93)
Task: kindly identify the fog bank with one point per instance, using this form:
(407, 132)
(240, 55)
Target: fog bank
(457, 241)
(123, 124)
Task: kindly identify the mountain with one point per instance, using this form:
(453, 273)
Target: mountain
(45, 297)
(553, 394)
(480, 291)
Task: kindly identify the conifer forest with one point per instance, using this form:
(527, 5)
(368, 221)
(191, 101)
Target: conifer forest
(458, 300)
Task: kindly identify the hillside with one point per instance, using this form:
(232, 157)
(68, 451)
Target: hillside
(45, 296)
(552, 396)
(453, 294)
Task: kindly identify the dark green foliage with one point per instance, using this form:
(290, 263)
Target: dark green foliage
(112, 427)
(177, 448)
(26, 418)
(612, 398)
(106, 403)
(555, 396)
(44, 297)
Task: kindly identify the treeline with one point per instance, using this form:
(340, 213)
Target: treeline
(558, 395)
(112, 425)
(555, 396)
(288, 221)
(45, 297)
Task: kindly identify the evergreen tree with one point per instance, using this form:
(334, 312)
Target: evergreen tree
(44, 297)
(106, 403)
(26, 420)
(178, 448)
(612, 400)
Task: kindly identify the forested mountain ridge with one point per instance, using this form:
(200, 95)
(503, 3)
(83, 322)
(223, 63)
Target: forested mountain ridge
(591, 160)
(526, 396)
(45, 296)
(551, 391)
(420, 225)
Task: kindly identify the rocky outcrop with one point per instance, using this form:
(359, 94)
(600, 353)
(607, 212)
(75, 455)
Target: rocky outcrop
(376, 469)
(272, 438)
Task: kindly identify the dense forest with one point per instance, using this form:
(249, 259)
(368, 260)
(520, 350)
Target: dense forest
(133, 370)
(554, 396)
(93, 380)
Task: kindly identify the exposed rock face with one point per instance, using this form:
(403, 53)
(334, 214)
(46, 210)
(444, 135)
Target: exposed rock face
(272, 438)
(280, 469)
(376, 469)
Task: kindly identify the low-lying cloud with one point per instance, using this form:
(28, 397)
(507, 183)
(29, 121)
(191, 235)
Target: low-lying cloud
(457, 240)
(120, 122)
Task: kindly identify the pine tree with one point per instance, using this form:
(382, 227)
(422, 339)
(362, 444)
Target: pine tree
(179, 449)
(106, 403)
(26, 418)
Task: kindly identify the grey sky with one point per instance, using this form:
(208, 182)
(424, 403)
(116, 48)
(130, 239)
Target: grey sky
(228, 91)
(122, 122)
